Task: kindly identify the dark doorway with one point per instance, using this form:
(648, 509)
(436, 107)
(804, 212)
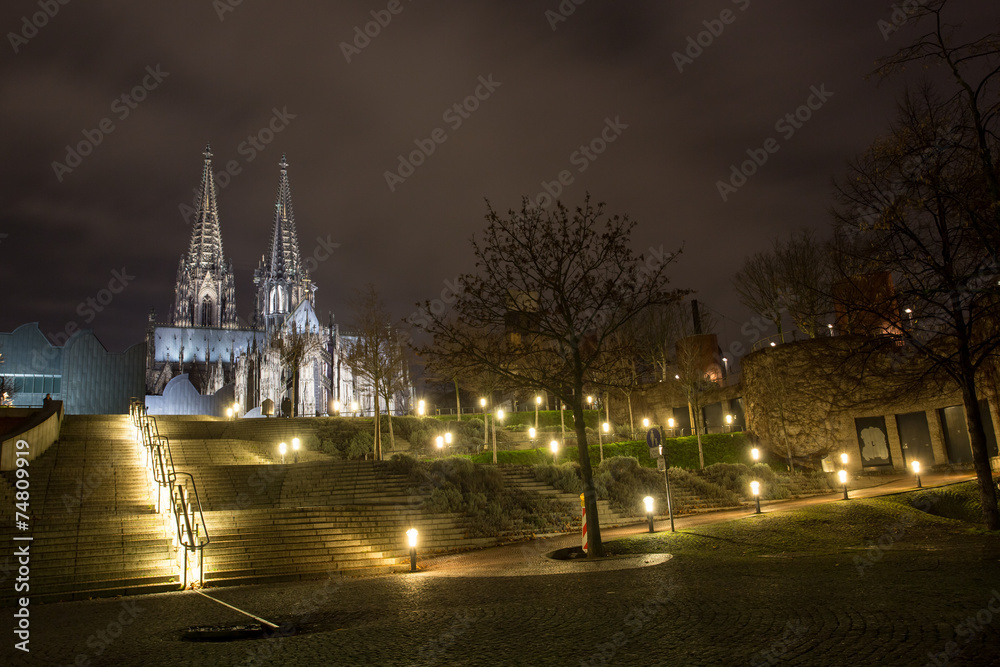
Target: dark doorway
(956, 434)
(915, 438)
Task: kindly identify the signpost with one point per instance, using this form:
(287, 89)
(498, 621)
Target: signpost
(655, 443)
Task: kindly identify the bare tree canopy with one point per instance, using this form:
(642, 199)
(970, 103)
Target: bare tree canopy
(550, 292)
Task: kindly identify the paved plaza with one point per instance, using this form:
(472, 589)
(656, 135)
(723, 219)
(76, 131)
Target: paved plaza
(929, 596)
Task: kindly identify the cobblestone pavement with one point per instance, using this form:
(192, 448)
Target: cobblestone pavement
(922, 598)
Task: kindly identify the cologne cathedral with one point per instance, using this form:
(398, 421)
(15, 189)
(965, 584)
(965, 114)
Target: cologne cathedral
(283, 353)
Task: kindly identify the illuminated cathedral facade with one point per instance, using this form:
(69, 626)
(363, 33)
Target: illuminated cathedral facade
(283, 354)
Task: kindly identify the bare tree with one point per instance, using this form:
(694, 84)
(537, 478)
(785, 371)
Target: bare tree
(939, 296)
(759, 287)
(7, 391)
(294, 347)
(375, 356)
(803, 269)
(550, 291)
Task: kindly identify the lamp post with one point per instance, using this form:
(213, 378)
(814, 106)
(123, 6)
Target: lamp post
(538, 404)
(282, 448)
(411, 536)
(755, 490)
(295, 448)
(670, 425)
(554, 446)
(843, 480)
(729, 423)
(648, 500)
(916, 471)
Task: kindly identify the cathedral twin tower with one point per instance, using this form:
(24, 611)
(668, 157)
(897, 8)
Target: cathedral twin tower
(205, 288)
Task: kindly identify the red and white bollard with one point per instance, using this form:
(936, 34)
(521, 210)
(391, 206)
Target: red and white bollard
(583, 506)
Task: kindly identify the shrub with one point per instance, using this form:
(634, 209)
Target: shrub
(361, 445)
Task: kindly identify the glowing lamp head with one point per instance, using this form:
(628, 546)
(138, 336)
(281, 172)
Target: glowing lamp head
(440, 442)
(447, 437)
(671, 422)
(282, 448)
(729, 419)
(482, 402)
(842, 475)
(420, 408)
(755, 453)
(645, 422)
(755, 487)
(606, 427)
(538, 400)
(500, 414)
(354, 406)
(648, 501)
(554, 446)
(590, 400)
(916, 467)
(336, 406)
(236, 407)
(295, 444)
(229, 412)
(843, 459)
(532, 432)
(411, 536)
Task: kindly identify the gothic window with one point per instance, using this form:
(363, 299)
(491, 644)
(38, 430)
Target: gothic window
(206, 311)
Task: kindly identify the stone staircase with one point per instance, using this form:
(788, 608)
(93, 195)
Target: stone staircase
(524, 478)
(95, 532)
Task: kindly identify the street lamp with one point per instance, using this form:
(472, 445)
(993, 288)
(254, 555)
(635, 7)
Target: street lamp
(295, 448)
(336, 407)
(411, 535)
(229, 413)
(843, 480)
(670, 425)
(420, 408)
(843, 459)
(236, 409)
(486, 423)
(554, 446)
(645, 422)
(282, 448)
(755, 490)
(531, 434)
(729, 422)
(916, 471)
(725, 360)
(755, 454)
(354, 408)
(648, 500)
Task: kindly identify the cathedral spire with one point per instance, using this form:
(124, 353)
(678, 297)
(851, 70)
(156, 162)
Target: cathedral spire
(205, 250)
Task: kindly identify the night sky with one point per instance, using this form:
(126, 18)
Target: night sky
(227, 71)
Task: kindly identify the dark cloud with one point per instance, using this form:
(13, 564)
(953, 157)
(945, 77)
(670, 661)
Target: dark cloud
(607, 60)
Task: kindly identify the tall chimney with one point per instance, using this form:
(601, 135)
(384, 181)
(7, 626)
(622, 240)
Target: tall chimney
(696, 316)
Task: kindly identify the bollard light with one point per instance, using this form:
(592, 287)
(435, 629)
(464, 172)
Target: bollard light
(411, 536)
(916, 471)
(538, 400)
(532, 432)
(554, 446)
(843, 480)
(590, 400)
(229, 413)
(336, 407)
(755, 453)
(295, 448)
(755, 490)
(440, 442)
(670, 422)
(282, 448)
(843, 458)
(606, 427)
(420, 408)
(500, 414)
(729, 419)
(354, 406)
(482, 402)
(648, 501)
(645, 422)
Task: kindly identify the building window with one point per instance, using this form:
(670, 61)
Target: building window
(206, 311)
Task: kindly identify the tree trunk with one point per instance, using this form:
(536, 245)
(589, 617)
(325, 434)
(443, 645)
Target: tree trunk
(595, 545)
(980, 455)
(631, 420)
(392, 438)
(697, 432)
(377, 449)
